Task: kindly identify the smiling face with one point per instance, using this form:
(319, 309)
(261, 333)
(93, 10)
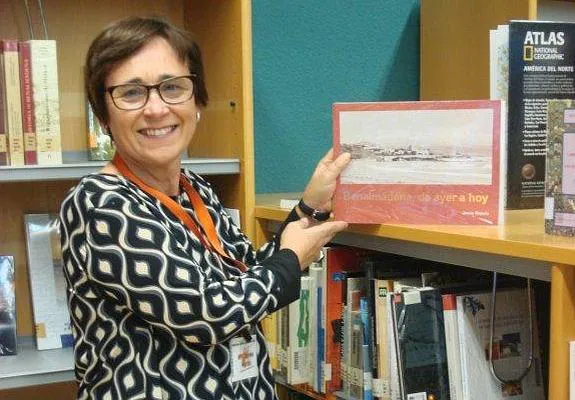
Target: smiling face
(156, 135)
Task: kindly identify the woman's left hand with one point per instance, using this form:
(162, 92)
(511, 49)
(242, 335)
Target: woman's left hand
(319, 191)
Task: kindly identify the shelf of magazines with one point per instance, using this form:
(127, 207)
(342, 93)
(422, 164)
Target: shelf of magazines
(35, 367)
(202, 166)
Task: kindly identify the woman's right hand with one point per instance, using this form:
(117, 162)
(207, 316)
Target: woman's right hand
(306, 239)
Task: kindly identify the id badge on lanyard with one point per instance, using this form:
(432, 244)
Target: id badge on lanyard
(244, 361)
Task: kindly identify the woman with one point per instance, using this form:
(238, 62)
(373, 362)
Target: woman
(165, 292)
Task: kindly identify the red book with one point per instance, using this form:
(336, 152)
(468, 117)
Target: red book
(28, 120)
(421, 162)
(3, 123)
(339, 262)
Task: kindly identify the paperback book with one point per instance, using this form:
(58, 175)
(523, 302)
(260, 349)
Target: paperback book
(47, 282)
(8, 340)
(421, 162)
(560, 168)
(100, 146)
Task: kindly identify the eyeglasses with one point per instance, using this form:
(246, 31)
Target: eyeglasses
(133, 96)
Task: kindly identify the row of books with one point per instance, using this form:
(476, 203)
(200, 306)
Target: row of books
(47, 284)
(29, 103)
(388, 327)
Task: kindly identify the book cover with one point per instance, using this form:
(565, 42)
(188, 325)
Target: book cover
(541, 67)
(27, 94)
(499, 63)
(422, 348)
(3, 114)
(560, 168)
(338, 262)
(453, 349)
(8, 338)
(421, 162)
(47, 282)
(100, 145)
(13, 102)
(511, 347)
(43, 59)
(299, 335)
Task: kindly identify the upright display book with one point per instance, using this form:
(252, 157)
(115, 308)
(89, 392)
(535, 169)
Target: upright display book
(541, 67)
(511, 347)
(560, 168)
(8, 342)
(421, 162)
(100, 146)
(47, 282)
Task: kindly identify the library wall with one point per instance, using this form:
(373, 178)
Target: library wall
(309, 54)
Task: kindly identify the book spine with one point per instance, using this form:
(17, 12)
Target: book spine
(46, 101)
(13, 103)
(3, 115)
(453, 351)
(28, 121)
(572, 370)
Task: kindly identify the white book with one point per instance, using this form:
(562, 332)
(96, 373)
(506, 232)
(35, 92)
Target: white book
(511, 347)
(499, 63)
(47, 282)
(299, 336)
(316, 279)
(13, 102)
(572, 370)
(43, 59)
(453, 349)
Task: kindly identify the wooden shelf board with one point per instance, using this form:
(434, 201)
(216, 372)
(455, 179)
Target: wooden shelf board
(521, 236)
(28, 173)
(35, 367)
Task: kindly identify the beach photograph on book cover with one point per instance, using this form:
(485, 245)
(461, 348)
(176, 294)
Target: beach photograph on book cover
(426, 162)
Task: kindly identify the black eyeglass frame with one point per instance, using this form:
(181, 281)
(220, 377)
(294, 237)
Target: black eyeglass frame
(156, 86)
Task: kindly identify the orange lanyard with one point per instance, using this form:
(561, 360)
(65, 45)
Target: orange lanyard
(210, 239)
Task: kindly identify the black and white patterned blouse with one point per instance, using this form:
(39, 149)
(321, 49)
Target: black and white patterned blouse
(152, 310)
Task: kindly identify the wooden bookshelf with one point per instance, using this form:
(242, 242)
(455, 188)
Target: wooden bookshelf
(222, 148)
(518, 247)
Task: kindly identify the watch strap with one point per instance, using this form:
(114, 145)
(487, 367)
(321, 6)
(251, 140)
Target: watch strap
(313, 213)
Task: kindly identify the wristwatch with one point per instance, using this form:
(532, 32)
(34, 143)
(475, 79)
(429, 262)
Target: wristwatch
(313, 213)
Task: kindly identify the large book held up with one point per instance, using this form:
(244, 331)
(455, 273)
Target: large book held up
(421, 162)
(8, 341)
(541, 67)
(560, 168)
(47, 282)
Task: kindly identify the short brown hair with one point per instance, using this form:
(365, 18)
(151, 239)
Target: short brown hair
(122, 39)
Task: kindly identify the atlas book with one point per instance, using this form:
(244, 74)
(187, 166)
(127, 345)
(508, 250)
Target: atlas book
(421, 162)
(541, 67)
(512, 347)
(8, 341)
(560, 168)
(47, 282)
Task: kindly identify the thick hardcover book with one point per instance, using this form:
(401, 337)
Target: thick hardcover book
(8, 341)
(421, 162)
(3, 115)
(511, 347)
(13, 102)
(100, 146)
(541, 67)
(44, 64)
(422, 348)
(560, 168)
(27, 94)
(47, 282)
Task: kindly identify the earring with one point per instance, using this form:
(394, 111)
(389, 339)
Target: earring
(198, 116)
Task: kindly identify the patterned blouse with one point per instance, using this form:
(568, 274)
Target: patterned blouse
(152, 310)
